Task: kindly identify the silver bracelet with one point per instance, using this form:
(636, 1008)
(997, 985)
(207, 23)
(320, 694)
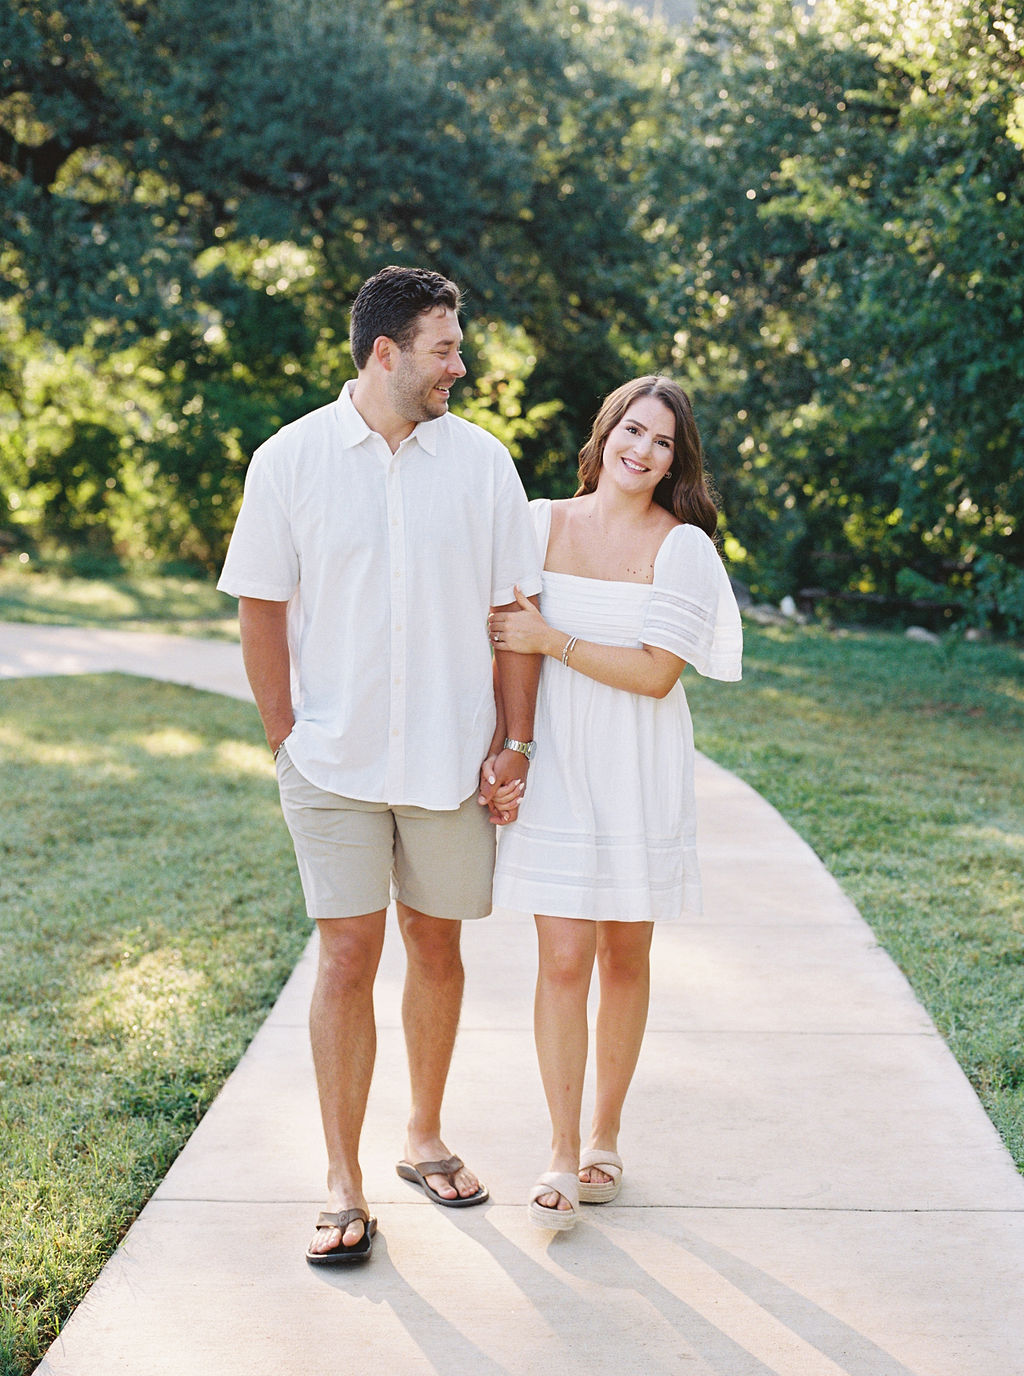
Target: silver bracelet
(570, 645)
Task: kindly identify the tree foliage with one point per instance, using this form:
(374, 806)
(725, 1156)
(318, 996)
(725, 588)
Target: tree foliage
(815, 219)
(853, 286)
(205, 212)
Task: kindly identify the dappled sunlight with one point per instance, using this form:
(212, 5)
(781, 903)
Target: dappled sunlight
(926, 30)
(980, 838)
(1010, 688)
(243, 758)
(794, 700)
(63, 754)
(145, 926)
(104, 598)
(777, 670)
(146, 602)
(171, 742)
(142, 999)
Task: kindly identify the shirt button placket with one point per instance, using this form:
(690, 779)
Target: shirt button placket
(398, 637)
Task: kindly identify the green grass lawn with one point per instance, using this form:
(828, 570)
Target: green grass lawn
(149, 908)
(140, 602)
(149, 913)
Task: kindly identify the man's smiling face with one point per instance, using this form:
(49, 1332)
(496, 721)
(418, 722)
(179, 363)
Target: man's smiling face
(421, 379)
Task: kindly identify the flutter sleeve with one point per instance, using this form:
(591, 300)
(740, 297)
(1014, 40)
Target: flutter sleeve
(692, 612)
(540, 510)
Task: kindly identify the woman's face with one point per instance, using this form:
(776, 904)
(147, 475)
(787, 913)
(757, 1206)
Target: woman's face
(639, 450)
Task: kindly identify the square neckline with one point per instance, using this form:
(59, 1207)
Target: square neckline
(610, 582)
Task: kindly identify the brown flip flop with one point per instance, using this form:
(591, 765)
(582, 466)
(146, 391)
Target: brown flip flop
(417, 1174)
(359, 1251)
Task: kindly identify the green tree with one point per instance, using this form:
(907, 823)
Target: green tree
(852, 292)
(813, 217)
(215, 205)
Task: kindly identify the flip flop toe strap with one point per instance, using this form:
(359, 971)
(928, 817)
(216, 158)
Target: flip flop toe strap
(448, 1167)
(343, 1219)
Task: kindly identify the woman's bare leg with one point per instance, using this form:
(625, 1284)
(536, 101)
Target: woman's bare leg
(566, 947)
(624, 971)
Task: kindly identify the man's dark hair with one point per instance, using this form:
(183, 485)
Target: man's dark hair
(391, 302)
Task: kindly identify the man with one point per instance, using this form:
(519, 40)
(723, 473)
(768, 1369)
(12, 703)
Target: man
(374, 536)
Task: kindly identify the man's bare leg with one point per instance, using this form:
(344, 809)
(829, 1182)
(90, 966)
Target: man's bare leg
(344, 1040)
(431, 1004)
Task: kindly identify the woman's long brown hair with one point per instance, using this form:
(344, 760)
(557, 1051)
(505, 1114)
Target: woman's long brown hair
(684, 491)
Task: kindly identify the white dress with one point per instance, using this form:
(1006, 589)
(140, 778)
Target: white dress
(607, 828)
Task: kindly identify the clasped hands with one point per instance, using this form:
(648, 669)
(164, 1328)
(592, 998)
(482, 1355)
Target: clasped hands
(502, 785)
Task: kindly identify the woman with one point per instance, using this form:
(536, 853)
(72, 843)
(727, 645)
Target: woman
(604, 845)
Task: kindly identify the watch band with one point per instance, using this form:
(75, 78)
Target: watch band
(526, 748)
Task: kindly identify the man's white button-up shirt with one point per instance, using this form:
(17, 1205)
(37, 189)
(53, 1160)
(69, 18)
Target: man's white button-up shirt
(390, 563)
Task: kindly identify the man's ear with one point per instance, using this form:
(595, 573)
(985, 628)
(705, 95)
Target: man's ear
(385, 351)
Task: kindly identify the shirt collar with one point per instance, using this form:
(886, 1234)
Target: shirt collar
(354, 430)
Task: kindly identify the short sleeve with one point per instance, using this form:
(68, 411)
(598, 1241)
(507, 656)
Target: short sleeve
(261, 559)
(516, 559)
(692, 612)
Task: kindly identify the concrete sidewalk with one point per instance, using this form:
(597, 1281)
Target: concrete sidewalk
(811, 1185)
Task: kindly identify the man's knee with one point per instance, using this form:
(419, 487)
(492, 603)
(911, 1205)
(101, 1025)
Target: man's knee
(433, 942)
(350, 950)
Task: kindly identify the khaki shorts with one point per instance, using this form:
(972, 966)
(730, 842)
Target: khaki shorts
(354, 856)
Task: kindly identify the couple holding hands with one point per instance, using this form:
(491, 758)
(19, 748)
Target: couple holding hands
(405, 613)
